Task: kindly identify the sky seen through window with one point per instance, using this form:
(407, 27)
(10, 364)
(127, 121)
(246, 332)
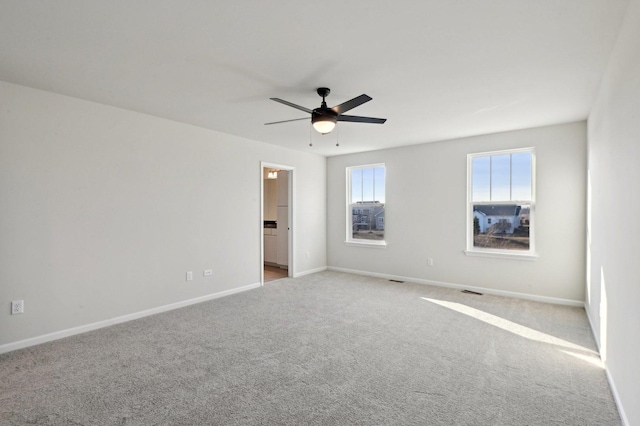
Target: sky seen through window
(502, 177)
(367, 184)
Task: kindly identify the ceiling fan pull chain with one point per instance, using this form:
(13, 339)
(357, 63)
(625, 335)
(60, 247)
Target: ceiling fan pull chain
(310, 144)
(337, 135)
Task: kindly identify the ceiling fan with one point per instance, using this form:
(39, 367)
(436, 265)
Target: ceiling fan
(324, 119)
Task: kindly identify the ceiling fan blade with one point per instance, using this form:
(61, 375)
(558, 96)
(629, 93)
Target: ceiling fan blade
(346, 106)
(356, 119)
(301, 108)
(286, 121)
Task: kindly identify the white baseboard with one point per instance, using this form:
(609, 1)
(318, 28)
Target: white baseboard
(612, 385)
(616, 397)
(309, 272)
(545, 299)
(8, 347)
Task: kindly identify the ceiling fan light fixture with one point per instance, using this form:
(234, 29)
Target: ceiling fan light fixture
(323, 123)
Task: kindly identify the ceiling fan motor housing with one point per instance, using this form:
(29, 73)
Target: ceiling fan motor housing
(324, 119)
(324, 114)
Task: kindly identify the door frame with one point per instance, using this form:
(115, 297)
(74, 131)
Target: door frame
(290, 207)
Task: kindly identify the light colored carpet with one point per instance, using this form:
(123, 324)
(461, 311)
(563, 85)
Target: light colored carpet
(328, 348)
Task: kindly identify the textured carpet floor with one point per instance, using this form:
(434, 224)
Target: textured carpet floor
(328, 348)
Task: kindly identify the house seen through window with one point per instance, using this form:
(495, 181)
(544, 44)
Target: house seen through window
(365, 204)
(501, 202)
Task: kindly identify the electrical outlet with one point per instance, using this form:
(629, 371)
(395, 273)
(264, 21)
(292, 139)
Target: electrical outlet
(190, 276)
(17, 307)
(208, 272)
(430, 261)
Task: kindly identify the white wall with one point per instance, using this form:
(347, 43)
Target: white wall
(103, 211)
(426, 214)
(614, 250)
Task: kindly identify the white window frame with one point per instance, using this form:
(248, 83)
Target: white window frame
(349, 240)
(501, 253)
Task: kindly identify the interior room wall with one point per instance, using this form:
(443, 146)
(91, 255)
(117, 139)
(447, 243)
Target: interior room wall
(104, 211)
(270, 199)
(613, 275)
(425, 215)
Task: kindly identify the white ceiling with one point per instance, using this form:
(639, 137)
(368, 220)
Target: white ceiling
(435, 69)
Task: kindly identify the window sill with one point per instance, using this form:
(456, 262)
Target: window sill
(502, 255)
(370, 244)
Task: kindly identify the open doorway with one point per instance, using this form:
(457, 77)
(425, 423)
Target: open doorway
(276, 219)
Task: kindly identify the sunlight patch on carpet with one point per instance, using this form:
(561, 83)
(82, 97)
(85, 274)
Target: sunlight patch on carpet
(590, 359)
(512, 327)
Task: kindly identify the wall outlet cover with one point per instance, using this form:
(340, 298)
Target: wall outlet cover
(17, 307)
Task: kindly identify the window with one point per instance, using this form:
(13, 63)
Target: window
(365, 204)
(501, 202)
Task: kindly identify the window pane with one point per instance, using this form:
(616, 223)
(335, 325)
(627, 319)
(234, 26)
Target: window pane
(356, 185)
(367, 221)
(521, 176)
(480, 179)
(501, 226)
(379, 184)
(367, 185)
(366, 209)
(500, 178)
